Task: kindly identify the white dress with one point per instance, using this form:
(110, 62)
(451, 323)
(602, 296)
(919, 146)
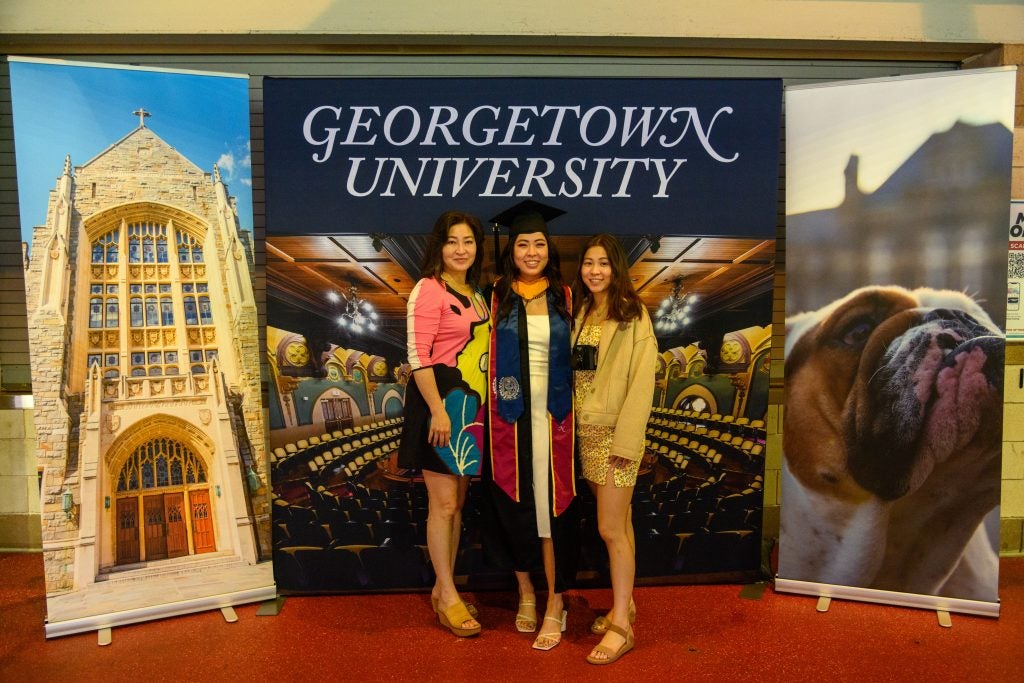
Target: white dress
(539, 333)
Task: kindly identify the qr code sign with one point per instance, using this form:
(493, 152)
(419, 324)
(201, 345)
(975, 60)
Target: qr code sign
(1016, 265)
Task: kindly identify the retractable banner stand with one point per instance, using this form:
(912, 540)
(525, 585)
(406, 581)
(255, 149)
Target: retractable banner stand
(143, 340)
(897, 195)
(684, 172)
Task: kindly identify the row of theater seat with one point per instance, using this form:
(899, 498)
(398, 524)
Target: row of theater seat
(737, 425)
(355, 537)
(674, 525)
(351, 567)
(711, 437)
(704, 516)
(687, 525)
(746, 438)
(712, 451)
(702, 463)
(359, 516)
(348, 451)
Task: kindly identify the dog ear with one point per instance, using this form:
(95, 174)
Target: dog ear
(797, 326)
(948, 298)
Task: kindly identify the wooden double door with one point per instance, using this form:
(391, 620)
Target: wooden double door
(160, 527)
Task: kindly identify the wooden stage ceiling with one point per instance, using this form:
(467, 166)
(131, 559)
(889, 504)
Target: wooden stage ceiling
(303, 271)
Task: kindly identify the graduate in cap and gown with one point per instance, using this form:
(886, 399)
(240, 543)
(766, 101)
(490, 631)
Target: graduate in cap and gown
(530, 474)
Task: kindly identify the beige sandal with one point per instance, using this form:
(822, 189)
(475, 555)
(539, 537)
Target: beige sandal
(610, 654)
(528, 621)
(552, 638)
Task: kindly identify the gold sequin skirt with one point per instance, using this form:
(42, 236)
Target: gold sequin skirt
(595, 444)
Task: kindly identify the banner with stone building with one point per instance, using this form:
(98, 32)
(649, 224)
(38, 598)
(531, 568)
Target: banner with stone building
(136, 209)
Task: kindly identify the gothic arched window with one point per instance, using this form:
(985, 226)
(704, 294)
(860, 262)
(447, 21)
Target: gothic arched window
(205, 312)
(104, 247)
(158, 463)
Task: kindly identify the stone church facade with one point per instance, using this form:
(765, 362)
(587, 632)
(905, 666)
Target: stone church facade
(145, 368)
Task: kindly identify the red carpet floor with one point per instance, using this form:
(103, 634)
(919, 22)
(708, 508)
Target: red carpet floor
(683, 633)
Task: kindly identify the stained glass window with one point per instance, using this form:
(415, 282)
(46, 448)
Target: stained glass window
(104, 247)
(152, 315)
(191, 318)
(96, 312)
(205, 312)
(147, 242)
(158, 463)
(190, 250)
(112, 312)
(136, 311)
(166, 311)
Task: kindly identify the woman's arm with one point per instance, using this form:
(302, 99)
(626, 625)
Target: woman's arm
(423, 323)
(440, 423)
(636, 408)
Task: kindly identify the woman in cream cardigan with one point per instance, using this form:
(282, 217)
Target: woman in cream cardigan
(614, 359)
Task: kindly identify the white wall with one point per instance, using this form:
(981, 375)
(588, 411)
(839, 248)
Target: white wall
(936, 21)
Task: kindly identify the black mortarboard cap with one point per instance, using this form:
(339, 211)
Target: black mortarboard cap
(527, 216)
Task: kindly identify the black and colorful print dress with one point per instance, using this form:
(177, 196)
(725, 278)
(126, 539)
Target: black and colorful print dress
(448, 332)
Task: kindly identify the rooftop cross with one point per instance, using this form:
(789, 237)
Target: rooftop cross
(142, 114)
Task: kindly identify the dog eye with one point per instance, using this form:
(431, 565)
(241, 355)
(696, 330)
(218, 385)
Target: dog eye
(857, 333)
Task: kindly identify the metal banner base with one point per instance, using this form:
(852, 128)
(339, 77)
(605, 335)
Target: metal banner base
(932, 602)
(173, 609)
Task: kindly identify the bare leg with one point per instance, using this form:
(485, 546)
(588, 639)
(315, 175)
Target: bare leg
(526, 617)
(614, 522)
(551, 629)
(457, 517)
(442, 497)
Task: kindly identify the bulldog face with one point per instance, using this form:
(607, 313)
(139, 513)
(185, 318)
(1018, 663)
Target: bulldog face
(885, 385)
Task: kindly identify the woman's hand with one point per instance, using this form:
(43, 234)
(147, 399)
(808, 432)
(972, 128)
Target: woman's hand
(440, 429)
(617, 463)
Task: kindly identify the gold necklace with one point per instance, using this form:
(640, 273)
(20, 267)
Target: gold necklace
(463, 288)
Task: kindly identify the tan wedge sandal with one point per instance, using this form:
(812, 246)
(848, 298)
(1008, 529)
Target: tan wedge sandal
(454, 616)
(469, 607)
(610, 654)
(600, 625)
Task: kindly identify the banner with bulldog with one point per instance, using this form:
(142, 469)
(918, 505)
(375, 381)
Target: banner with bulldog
(142, 325)
(357, 172)
(897, 193)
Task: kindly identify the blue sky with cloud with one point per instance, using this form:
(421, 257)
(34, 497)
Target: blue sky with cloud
(63, 108)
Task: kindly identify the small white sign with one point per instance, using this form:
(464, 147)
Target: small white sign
(1015, 272)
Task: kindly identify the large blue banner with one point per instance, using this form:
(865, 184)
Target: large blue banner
(647, 155)
(683, 172)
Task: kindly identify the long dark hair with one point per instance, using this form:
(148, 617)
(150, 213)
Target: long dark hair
(508, 271)
(624, 303)
(433, 262)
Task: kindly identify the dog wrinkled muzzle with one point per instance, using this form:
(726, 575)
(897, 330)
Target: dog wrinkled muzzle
(929, 390)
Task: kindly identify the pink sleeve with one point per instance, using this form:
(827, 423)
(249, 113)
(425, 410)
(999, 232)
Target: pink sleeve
(423, 319)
